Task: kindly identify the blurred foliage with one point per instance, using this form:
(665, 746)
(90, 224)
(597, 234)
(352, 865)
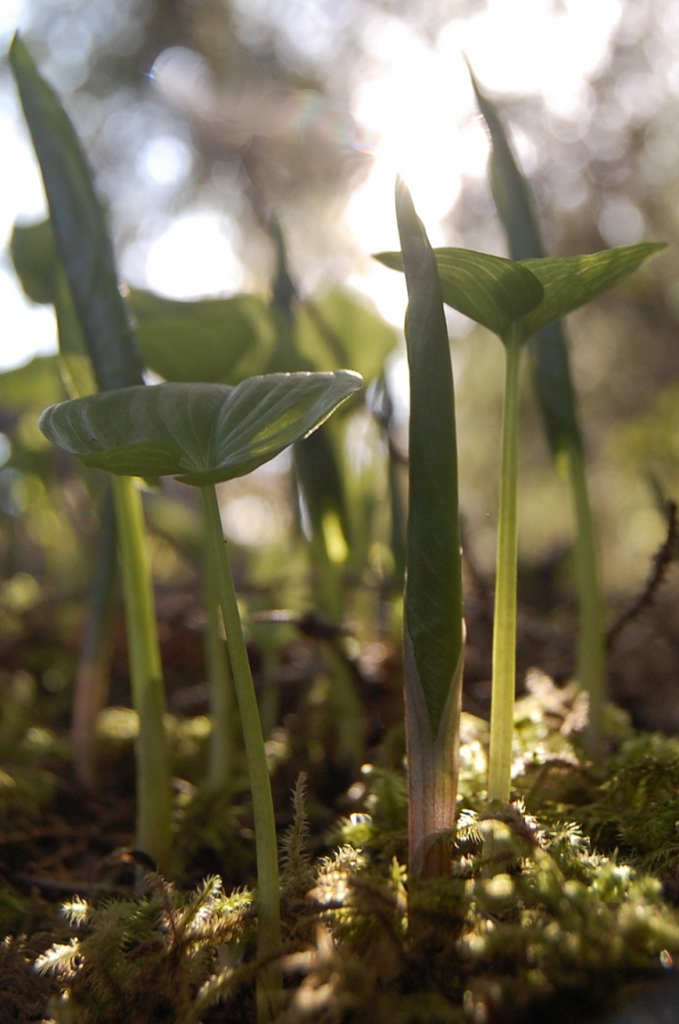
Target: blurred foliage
(604, 172)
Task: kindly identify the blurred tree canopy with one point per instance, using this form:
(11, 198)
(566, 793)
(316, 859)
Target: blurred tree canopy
(243, 108)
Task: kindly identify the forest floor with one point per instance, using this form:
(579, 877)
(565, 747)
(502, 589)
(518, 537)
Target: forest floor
(59, 840)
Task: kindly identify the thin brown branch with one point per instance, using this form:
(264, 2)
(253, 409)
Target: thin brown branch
(664, 556)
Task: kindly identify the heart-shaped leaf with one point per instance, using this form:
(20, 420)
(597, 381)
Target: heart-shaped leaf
(200, 433)
(491, 290)
(574, 280)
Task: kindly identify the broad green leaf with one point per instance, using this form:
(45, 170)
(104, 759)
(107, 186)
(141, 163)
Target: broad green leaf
(433, 593)
(34, 255)
(574, 280)
(41, 272)
(200, 433)
(491, 290)
(204, 340)
(31, 386)
(79, 227)
(339, 329)
(221, 340)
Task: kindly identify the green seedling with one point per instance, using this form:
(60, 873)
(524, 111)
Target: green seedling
(557, 401)
(515, 300)
(204, 434)
(433, 626)
(98, 349)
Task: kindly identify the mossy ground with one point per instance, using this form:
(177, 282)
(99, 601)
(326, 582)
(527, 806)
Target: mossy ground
(561, 907)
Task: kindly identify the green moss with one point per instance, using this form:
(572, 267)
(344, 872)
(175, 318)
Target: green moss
(558, 904)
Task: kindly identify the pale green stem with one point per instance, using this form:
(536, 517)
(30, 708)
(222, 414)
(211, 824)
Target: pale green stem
(260, 785)
(591, 626)
(91, 684)
(154, 807)
(433, 772)
(220, 678)
(344, 705)
(504, 623)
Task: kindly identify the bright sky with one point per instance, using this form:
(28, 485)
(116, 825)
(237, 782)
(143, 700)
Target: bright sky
(419, 108)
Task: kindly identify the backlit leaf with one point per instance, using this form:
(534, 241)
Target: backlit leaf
(200, 433)
(490, 290)
(548, 350)
(572, 281)
(79, 228)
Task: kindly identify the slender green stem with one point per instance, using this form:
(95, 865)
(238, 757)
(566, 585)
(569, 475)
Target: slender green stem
(344, 706)
(260, 785)
(504, 625)
(90, 688)
(154, 809)
(591, 627)
(219, 676)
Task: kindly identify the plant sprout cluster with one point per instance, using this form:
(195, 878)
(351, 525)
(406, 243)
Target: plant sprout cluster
(221, 421)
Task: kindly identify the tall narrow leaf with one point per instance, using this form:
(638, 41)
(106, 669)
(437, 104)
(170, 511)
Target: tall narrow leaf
(550, 364)
(557, 402)
(90, 308)
(433, 626)
(79, 226)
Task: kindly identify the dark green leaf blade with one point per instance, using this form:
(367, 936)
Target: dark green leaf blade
(572, 281)
(490, 290)
(433, 593)
(511, 191)
(79, 227)
(201, 433)
(548, 350)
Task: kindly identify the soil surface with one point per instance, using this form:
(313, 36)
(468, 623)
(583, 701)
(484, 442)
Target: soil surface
(79, 840)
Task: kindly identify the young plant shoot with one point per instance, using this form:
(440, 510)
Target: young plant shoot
(433, 627)
(515, 300)
(553, 384)
(204, 434)
(98, 350)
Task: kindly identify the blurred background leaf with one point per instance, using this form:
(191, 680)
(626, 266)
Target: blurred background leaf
(596, 137)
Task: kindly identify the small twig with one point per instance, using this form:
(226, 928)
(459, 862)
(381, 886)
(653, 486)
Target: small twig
(664, 556)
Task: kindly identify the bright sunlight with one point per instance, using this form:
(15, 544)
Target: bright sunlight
(416, 110)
